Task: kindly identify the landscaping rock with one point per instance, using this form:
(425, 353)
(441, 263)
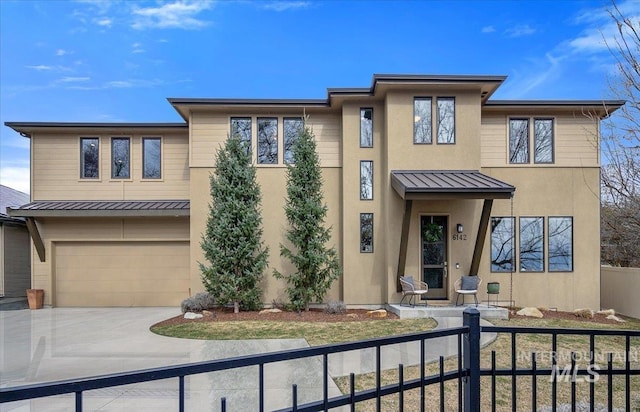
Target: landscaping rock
(583, 313)
(606, 312)
(530, 312)
(274, 310)
(191, 315)
(352, 315)
(380, 313)
(207, 313)
(617, 319)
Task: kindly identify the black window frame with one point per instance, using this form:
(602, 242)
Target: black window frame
(363, 111)
(551, 140)
(363, 247)
(288, 146)
(276, 138)
(520, 244)
(513, 241)
(146, 139)
(115, 139)
(430, 122)
(439, 119)
(362, 180)
(527, 140)
(572, 262)
(83, 162)
(247, 142)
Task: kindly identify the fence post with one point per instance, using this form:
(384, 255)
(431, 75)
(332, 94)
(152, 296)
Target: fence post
(471, 361)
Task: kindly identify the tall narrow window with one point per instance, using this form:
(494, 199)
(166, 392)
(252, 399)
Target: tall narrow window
(292, 129)
(366, 232)
(241, 126)
(151, 158)
(366, 180)
(519, 141)
(120, 154)
(502, 244)
(422, 120)
(267, 140)
(366, 127)
(446, 120)
(531, 244)
(543, 140)
(560, 244)
(89, 158)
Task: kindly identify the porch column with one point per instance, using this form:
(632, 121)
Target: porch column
(35, 236)
(404, 241)
(482, 234)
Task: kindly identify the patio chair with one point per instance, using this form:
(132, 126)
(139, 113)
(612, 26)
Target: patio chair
(467, 285)
(412, 288)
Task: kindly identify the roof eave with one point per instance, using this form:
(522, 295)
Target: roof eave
(98, 213)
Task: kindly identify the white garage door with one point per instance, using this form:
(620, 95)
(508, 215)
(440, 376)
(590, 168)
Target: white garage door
(121, 273)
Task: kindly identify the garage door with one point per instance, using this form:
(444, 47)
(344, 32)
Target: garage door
(121, 273)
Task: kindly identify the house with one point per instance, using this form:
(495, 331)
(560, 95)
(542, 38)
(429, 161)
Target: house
(423, 175)
(15, 248)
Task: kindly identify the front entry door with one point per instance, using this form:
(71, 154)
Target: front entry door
(433, 236)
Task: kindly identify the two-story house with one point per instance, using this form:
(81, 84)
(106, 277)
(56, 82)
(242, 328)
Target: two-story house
(423, 175)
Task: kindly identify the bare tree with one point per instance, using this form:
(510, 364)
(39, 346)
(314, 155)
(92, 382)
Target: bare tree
(621, 149)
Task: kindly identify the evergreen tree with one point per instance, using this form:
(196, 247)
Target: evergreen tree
(316, 265)
(233, 240)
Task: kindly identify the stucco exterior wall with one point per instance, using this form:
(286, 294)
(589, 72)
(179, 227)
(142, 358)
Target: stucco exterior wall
(619, 291)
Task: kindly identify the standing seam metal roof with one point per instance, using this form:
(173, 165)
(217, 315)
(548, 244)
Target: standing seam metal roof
(103, 208)
(447, 181)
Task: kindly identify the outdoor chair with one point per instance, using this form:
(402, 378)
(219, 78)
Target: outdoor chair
(467, 285)
(412, 288)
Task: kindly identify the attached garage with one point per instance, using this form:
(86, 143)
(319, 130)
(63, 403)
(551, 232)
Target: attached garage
(121, 273)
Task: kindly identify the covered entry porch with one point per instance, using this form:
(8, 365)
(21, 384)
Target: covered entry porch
(440, 215)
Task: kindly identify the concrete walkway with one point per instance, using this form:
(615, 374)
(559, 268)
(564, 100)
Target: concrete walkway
(67, 343)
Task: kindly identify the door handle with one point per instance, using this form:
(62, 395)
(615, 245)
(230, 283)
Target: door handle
(444, 270)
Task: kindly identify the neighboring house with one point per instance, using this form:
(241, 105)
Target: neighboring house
(15, 248)
(423, 176)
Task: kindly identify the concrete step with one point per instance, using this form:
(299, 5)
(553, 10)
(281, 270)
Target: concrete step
(432, 311)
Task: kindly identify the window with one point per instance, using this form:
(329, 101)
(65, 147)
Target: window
(267, 140)
(531, 244)
(151, 158)
(120, 150)
(292, 129)
(241, 126)
(446, 120)
(366, 180)
(366, 232)
(502, 244)
(89, 157)
(543, 140)
(519, 141)
(422, 120)
(366, 127)
(560, 244)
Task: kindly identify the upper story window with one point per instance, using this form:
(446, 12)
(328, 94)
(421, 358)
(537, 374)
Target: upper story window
(120, 157)
(292, 128)
(267, 140)
(422, 120)
(241, 126)
(366, 127)
(519, 141)
(446, 120)
(366, 180)
(89, 157)
(151, 158)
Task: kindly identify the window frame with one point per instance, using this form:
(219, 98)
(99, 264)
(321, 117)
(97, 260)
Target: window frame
(361, 180)
(112, 159)
(276, 138)
(430, 122)
(572, 262)
(363, 249)
(82, 158)
(160, 157)
(249, 147)
(542, 241)
(513, 245)
(362, 116)
(527, 140)
(551, 142)
(439, 119)
(284, 137)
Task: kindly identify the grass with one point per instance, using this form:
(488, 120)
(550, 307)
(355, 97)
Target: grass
(316, 333)
(525, 345)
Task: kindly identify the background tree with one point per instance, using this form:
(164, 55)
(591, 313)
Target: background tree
(316, 266)
(621, 149)
(233, 240)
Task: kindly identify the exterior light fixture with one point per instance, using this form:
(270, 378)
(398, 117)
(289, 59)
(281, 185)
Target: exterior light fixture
(460, 228)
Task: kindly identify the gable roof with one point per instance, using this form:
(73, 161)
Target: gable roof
(10, 198)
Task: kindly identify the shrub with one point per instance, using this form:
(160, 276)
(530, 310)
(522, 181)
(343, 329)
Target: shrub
(335, 307)
(198, 302)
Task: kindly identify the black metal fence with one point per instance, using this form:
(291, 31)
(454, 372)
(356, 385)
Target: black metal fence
(465, 376)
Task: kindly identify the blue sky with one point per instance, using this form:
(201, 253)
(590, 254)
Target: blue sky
(103, 61)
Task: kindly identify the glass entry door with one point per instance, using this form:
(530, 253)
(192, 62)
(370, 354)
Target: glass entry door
(433, 240)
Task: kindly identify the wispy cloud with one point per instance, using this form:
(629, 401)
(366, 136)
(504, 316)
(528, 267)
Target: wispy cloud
(181, 14)
(16, 177)
(488, 29)
(520, 30)
(103, 22)
(137, 48)
(285, 5)
(61, 52)
(40, 67)
(70, 79)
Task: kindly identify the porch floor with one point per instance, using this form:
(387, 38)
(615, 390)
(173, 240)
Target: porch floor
(444, 311)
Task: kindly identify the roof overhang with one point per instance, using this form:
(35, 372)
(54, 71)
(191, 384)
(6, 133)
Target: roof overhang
(26, 129)
(139, 208)
(600, 108)
(448, 184)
